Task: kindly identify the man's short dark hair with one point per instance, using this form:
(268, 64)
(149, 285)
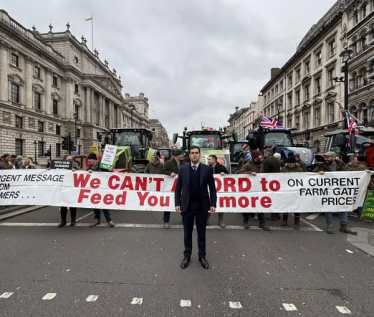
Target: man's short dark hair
(194, 147)
(214, 157)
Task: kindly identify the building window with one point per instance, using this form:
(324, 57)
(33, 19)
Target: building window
(317, 84)
(290, 81)
(319, 58)
(58, 130)
(14, 93)
(55, 107)
(276, 89)
(332, 48)
(76, 90)
(281, 85)
(98, 136)
(298, 97)
(37, 72)
(363, 10)
(54, 82)
(306, 120)
(76, 114)
(78, 133)
(306, 92)
(40, 126)
(307, 67)
(317, 117)
(106, 122)
(330, 107)
(15, 61)
(297, 75)
(265, 99)
(363, 42)
(19, 122)
(356, 17)
(37, 102)
(290, 101)
(289, 123)
(19, 147)
(330, 77)
(365, 116)
(41, 146)
(58, 149)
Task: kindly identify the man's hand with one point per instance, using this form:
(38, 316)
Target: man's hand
(73, 169)
(173, 174)
(223, 174)
(90, 171)
(178, 209)
(321, 172)
(111, 169)
(212, 210)
(253, 173)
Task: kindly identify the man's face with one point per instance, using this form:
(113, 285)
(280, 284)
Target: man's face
(69, 158)
(180, 157)
(260, 159)
(92, 161)
(329, 159)
(210, 161)
(154, 160)
(194, 156)
(292, 165)
(27, 162)
(354, 160)
(266, 154)
(8, 158)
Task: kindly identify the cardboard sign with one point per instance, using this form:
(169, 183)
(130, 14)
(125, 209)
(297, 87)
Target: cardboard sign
(108, 157)
(94, 149)
(61, 164)
(368, 211)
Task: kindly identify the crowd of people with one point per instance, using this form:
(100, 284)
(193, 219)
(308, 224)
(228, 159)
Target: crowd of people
(8, 161)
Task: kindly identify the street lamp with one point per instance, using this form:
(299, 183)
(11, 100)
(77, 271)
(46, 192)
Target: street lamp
(35, 144)
(132, 108)
(346, 56)
(75, 125)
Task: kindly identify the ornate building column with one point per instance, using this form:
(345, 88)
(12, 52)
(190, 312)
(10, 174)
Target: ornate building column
(69, 98)
(4, 47)
(88, 104)
(48, 88)
(28, 82)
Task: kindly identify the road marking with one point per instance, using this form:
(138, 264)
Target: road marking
(289, 307)
(311, 225)
(92, 298)
(313, 216)
(343, 310)
(235, 305)
(20, 212)
(185, 303)
(137, 301)
(86, 215)
(6, 294)
(49, 296)
(156, 226)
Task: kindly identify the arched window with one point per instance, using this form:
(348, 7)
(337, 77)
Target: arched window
(363, 11)
(364, 75)
(355, 16)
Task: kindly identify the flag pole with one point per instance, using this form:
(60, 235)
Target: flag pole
(92, 32)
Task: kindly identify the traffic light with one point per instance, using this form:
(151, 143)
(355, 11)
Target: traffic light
(65, 143)
(72, 146)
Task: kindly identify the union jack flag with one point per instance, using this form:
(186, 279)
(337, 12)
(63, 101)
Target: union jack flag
(352, 126)
(270, 123)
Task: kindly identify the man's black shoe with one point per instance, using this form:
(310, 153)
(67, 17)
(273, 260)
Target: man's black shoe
(185, 263)
(204, 263)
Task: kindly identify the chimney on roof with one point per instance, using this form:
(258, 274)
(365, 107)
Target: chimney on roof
(274, 72)
(236, 109)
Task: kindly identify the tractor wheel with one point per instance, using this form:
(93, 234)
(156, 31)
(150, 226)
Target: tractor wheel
(137, 168)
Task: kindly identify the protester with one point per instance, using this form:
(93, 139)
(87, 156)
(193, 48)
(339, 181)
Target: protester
(94, 167)
(6, 162)
(171, 168)
(332, 165)
(13, 159)
(18, 164)
(155, 166)
(271, 165)
(193, 181)
(300, 162)
(291, 167)
(253, 167)
(222, 170)
(27, 165)
(73, 210)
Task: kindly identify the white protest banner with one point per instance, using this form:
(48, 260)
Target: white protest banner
(108, 156)
(293, 192)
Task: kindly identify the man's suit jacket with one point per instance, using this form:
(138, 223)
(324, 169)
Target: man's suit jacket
(182, 190)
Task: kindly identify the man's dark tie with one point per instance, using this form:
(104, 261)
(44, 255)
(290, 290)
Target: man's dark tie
(194, 167)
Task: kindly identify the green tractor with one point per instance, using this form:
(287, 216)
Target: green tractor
(209, 142)
(134, 150)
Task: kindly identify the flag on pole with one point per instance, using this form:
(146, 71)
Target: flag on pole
(88, 19)
(352, 126)
(270, 123)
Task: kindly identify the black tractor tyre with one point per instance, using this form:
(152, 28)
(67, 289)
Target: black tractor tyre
(137, 168)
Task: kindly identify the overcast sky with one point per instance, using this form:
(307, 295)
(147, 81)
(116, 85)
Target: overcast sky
(196, 60)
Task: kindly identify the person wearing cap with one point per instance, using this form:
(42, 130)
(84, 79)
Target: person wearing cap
(291, 166)
(300, 162)
(171, 168)
(271, 165)
(94, 167)
(253, 167)
(333, 165)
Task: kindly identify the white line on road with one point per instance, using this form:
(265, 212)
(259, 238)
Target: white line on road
(137, 301)
(343, 310)
(49, 296)
(313, 216)
(140, 225)
(6, 294)
(289, 307)
(92, 298)
(235, 305)
(185, 303)
(20, 212)
(310, 224)
(86, 215)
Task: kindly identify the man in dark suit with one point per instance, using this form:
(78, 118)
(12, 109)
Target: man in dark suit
(193, 202)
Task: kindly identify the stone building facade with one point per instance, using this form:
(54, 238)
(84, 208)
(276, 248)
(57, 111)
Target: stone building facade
(160, 135)
(51, 85)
